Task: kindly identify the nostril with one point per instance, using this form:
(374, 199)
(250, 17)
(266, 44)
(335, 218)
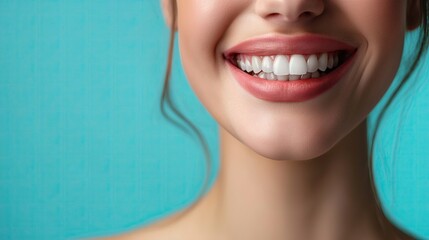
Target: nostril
(283, 17)
(275, 16)
(288, 11)
(307, 14)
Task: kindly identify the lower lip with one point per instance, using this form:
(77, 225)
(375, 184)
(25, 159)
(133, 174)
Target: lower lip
(289, 91)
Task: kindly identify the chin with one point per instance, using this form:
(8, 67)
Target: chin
(282, 148)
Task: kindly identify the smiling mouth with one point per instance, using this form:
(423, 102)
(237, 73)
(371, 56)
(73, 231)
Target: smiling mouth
(290, 67)
(296, 68)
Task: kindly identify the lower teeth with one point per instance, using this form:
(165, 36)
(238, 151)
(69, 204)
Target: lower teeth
(272, 76)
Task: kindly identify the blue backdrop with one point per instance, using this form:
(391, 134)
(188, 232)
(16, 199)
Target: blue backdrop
(84, 150)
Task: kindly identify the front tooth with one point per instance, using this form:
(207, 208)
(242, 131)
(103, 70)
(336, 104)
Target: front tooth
(267, 64)
(323, 62)
(261, 75)
(248, 65)
(297, 65)
(312, 63)
(281, 65)
(256, 64)
(330, 61)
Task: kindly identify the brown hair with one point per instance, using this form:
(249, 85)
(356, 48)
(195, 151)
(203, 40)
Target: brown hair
(423, 43)
(188, 127)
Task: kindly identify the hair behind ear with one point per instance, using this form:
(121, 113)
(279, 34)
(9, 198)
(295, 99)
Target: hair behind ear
(169, 10)
(414, 14)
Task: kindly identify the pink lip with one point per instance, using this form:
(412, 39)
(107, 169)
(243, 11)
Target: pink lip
(280, 44)
(289, 91)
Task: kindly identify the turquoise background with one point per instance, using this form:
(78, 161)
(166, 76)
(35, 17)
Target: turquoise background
(84, 150)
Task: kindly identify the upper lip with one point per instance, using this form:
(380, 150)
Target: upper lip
(287, 45)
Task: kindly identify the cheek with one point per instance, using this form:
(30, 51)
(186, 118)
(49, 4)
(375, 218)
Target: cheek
(382, 26)
(375, 17)
(201, 26)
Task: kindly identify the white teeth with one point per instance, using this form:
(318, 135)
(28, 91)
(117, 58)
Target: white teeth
(242, 65)
(256, 64)
(281, 65)
(330, 61)
(312, 63)
(288, 67)
(297, 65)
(248, 65)
(272, 76)
(267, 64)
(323, 62)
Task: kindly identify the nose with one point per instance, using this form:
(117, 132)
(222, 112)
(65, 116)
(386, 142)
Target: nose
(289, 10)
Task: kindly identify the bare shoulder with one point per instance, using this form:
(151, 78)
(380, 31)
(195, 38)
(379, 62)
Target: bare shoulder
(165, 229)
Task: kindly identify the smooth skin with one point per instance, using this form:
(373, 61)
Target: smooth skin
(288, 170)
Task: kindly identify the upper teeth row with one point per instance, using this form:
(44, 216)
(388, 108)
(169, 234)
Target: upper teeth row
(282, 65)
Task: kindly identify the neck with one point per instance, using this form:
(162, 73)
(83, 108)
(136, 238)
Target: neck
(328, 197)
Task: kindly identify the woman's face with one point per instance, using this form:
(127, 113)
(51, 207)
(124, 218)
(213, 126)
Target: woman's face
(344, 54)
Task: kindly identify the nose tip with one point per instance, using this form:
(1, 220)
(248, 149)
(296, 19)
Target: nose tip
(289, 10)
